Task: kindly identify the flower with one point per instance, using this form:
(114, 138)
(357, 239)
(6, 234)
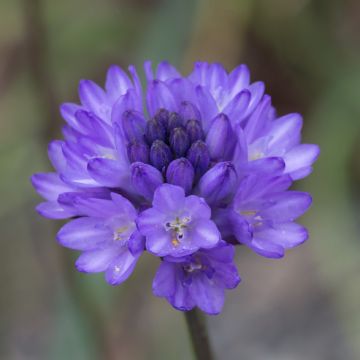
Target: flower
(198, 279)
(177, 225)
(181, 168)
(107, 235)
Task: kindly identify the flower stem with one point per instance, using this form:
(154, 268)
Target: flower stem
(199, 336)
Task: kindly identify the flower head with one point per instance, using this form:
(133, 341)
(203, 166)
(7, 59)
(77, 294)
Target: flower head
(181, 168)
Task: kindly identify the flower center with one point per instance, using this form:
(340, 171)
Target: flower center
(177, 228)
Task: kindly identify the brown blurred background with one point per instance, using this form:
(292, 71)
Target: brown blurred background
(306, 306)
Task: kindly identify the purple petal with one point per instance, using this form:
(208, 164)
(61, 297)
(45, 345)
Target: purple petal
(236, 108)
(117, 82)
(287, 206)
(53, 210)
(166, 71)
(158, 97)
(205, 234)
(198, 207)
(84, 234)
(207, 106)
(164, 283)
(208, 296)
(300, 157)
(108, 172)
(169, 198)
(56, 155)
(150, 221)
(93, 97)
(96, 260)
(285, 132)
(121, 267)
(287, 235)
(49, 185)
(68, 111)
(239, 79)
(267, 248)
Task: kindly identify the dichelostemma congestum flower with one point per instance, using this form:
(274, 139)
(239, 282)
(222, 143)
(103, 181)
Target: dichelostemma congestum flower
(186, 168)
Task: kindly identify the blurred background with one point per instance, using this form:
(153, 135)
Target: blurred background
(305, 306)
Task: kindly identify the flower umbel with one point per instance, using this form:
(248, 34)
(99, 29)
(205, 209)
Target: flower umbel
(185, 168)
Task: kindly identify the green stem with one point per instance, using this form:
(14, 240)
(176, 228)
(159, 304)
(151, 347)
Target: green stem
(198, 334)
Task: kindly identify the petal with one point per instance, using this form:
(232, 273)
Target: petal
(204, 234)
(269, 165)
(158, 242)
(150, 221)
(288, 206)
(169, 198)
(239, 79)
(208, 296)
(108, 172)
(197, 207)
(96, 260)
(158, 97)
(53, 210)
(287, 235)
(67, 111)
(206, 105)
(266, 248)
(56, 155)
(236, 109)
(126, 102)
(300, 157)
(166, 71)
(121, 267)
(164, 283)
(92, 96)
(84, 234)
(49, 185)
(257, 91)
(117, 82)
(285, 132)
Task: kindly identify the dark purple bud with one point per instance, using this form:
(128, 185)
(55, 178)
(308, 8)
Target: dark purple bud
(160, 154)
(133, 124)
(179, 141)
(145, 179)
(218, 183)
(174, 121)
(194, 130)
(180, 172)
(189, 111)
(220, 138)
(138, 151)
(162, 116)
(199, 157)
(154, 131)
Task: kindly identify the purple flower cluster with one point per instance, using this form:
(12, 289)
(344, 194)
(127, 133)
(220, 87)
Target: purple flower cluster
(184, 169)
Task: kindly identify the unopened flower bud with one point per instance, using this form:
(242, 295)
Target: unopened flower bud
(162, 116)
(220, 138)
(175, 121)
(179, 141)
(154, 131)
(189, 111)
(145, 179)
(180, 172)
(194, 130)
(160, 154)
(218, 183)
(133, 124)
(138, 151)
(199, 157)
